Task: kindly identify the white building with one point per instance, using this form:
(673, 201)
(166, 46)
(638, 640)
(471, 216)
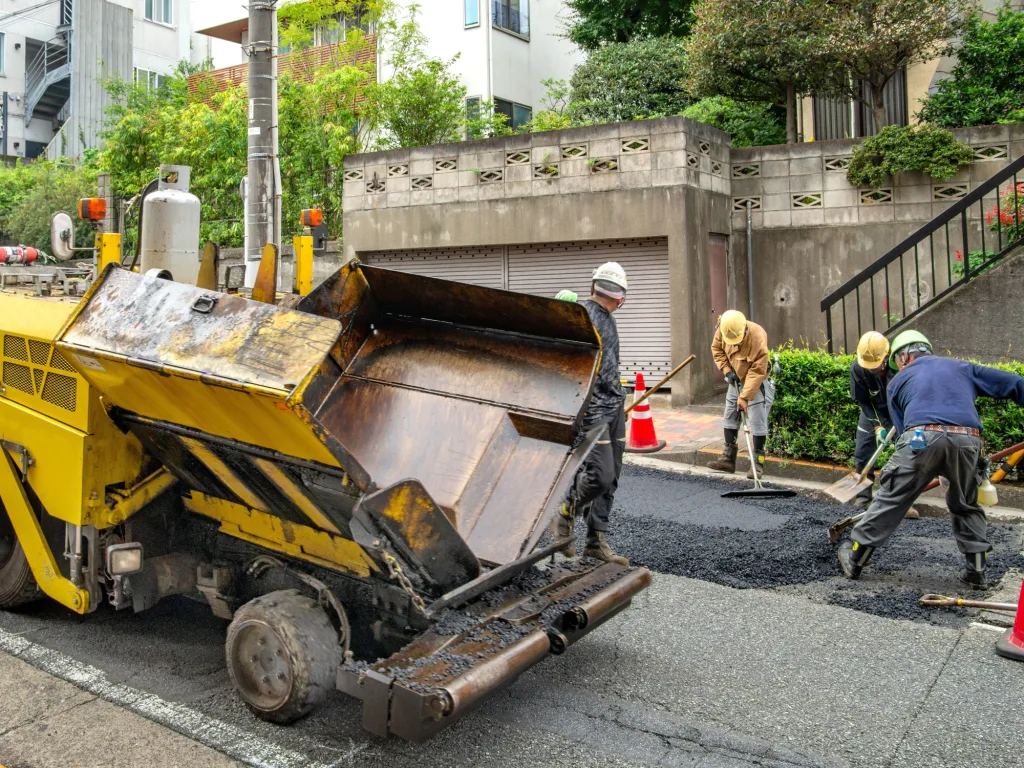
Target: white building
(505, 48)
(54, 55)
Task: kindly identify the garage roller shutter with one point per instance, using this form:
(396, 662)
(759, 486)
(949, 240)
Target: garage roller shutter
(480, 266)
(645, 334)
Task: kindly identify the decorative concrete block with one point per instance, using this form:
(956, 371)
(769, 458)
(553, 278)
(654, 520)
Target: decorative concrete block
(400, 184)
(808, 217)
(802, 166)
(776, 219)
(841, 215)
(635, 180)
(776, 202)
(604, 147)
(672, 177)
(445, 194)
(913, 194)
(770, 168)
(422, 197)
(518, 173)
(914, 212)
(811, 183)
(840, 198)
(519, 189)
(666, 142)
(883, 212)
(634, 163)
(602, 182)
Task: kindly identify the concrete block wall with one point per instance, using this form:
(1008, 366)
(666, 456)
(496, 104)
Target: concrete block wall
(644, 154)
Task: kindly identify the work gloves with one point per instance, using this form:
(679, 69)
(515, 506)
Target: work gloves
(879, 435)
(732, 378)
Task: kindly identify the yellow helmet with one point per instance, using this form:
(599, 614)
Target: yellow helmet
(872, 350)
(733, 326)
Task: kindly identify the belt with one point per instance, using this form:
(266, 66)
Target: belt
(952, 430)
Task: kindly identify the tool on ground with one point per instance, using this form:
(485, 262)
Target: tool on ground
(758, 491)
(1013, 455)
(661, 383)
(642, 437)
(1011, 644)
(942, 601)
(846, 490)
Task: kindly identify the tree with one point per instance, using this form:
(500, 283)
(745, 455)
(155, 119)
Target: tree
(595, 22)
(987, 83)
(750, 123)
(31, 192)
(867, 42)
(626, 81)
(759, 51)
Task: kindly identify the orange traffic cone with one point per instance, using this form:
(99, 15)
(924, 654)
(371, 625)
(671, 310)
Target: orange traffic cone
(641, 427)
(1011, 645)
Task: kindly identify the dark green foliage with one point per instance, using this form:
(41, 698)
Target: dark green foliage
(899, 149)
(627, 81)
(987, 86)
(815, 419)
(595, 22)
(750, 123)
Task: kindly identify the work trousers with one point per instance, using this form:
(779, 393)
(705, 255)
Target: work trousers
(598, 478)
(757, 409)
(954, 457)
(866, 445)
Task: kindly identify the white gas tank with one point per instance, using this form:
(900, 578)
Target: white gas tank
(170, 226)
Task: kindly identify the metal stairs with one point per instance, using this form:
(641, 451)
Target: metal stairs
(974, 233)
(48, 78)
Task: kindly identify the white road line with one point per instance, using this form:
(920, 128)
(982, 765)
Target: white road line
(234, 742)
(990, 627)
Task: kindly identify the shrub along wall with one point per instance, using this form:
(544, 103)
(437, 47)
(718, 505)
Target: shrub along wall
(814, 417)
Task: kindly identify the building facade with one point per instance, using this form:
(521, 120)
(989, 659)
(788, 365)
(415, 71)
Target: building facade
(55, 55)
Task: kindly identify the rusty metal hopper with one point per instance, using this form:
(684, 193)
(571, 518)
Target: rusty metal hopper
(438, 413)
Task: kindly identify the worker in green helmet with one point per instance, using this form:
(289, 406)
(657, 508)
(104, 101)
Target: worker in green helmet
(931, 402)
(567, 296)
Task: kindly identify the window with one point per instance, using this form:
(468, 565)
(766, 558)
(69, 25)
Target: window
(152, 80)
(472, 13)
(517, 115)
(159, 10)
(841, 119)
(511, 15)
(3, 42)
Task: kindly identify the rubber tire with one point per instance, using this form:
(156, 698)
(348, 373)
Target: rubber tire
(17, 584)
(310, 641)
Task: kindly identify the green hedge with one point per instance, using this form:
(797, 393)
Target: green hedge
(814, 418)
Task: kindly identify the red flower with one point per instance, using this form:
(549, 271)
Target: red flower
(959, 256)
(885, 303)
(988, 217)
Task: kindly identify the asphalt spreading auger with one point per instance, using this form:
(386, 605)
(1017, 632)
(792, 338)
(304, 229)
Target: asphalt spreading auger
(368, 475)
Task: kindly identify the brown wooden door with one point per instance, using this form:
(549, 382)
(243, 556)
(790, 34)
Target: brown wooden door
(718, 248)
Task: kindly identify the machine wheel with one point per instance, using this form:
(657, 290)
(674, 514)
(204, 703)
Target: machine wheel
(283, 655)
(17, 584)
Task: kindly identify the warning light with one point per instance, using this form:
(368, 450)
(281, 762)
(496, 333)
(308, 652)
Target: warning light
(92, 209)
(312, 217)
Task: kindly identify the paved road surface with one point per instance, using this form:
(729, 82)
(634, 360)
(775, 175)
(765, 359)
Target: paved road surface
(697, 673)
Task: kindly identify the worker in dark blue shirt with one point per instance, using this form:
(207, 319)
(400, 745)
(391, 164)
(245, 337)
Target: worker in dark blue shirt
(931, 402)
(869, 377)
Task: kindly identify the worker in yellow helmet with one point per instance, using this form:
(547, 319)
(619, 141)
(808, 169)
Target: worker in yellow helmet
(869, 378)
(740, 350)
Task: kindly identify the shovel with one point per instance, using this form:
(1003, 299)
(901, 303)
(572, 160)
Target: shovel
(844, 491)
(758, 491)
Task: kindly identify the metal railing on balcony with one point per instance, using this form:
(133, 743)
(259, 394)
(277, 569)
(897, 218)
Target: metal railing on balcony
(51, 63)
(974, 233)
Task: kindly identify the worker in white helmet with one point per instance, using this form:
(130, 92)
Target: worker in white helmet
(740, 350)
(594, 488)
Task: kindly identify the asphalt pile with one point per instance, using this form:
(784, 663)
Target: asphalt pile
(680, 525)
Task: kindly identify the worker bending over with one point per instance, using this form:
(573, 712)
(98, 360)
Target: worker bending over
(931, 401)
(740, 350)
(869, 378)
(594, 489)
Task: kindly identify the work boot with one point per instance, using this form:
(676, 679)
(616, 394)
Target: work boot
(760, 466)
(562, 527)
(853, 557)
(599, 549)
(912, 514)
(727, 463)
(974, 574)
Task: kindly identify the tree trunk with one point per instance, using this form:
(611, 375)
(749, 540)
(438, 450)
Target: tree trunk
(791, 132)
(878, 106)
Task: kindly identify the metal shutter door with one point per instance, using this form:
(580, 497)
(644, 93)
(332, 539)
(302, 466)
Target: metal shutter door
(480, 266)
(645, 334)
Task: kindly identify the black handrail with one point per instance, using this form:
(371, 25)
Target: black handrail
(1014, 237)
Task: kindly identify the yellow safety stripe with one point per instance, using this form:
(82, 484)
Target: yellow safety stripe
(297, 496)
(224, 473)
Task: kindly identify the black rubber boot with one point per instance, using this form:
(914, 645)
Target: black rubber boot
(599, 549)
(727, 463)
(562, 527)
(974, 574)
(853, 557)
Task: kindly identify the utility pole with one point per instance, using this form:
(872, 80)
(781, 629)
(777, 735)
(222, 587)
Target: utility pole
(263, 206)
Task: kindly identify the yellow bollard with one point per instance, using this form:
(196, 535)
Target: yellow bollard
(108, 249)
(303, 264)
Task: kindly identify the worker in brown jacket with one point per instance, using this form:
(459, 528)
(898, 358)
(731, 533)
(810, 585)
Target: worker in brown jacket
(740, 350)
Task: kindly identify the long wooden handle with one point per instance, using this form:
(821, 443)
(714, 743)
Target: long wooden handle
(874, 457)
(662, 383)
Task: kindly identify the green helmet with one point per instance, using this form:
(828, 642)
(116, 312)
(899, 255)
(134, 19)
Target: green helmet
(903, 340)
(566, 296)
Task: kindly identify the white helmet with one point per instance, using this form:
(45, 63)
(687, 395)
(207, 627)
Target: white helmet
(611, 272)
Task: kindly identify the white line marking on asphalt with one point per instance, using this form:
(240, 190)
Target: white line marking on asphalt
(983, 625)
(234, 742)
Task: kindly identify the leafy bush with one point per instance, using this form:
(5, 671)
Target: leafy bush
(627, 81)
(987, 86)
(31, 192)
(814, 417)
(750, 123)
(896, 149)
